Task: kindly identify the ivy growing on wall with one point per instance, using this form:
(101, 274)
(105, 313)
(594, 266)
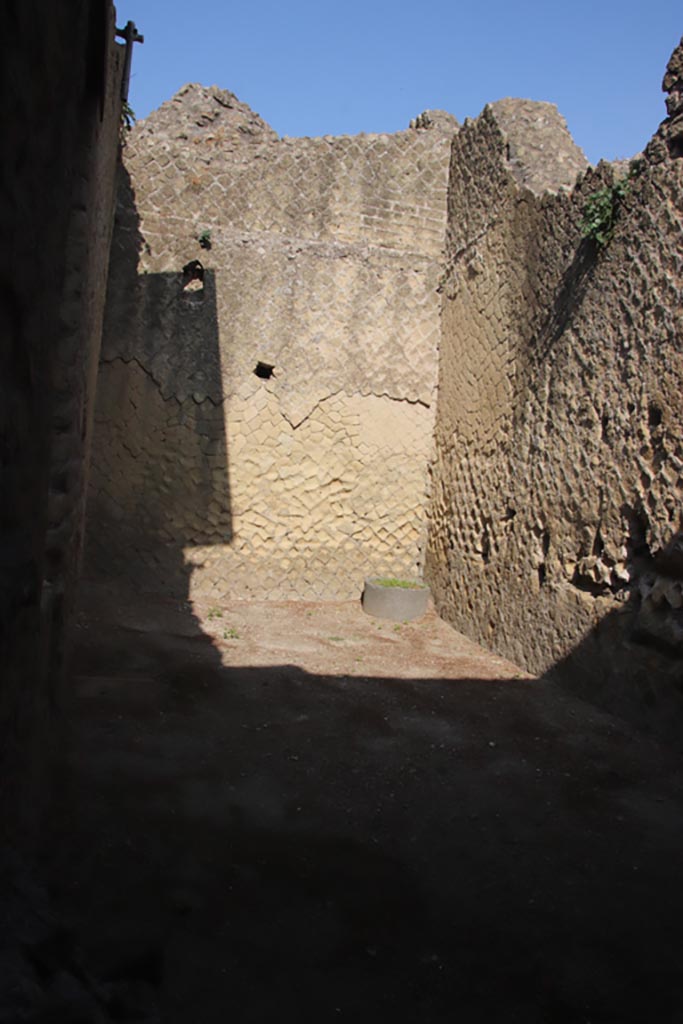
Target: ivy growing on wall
(602, 209)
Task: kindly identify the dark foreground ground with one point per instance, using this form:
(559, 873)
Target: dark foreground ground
(298, 812)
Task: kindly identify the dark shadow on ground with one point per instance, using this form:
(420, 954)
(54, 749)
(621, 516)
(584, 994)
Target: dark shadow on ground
(631, 665)
(260, 843)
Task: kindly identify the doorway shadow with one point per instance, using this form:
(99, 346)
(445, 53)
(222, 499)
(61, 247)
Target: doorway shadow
(159, 478)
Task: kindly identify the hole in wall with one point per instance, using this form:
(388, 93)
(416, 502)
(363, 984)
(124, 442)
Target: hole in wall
(654, 415)
(546, 542)
(264, 370)
(637, 526)
(486, 546)
(193, 277)
(676, 147)
(545, 545)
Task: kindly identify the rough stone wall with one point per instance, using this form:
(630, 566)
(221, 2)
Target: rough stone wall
(323, 264)
(557, 482)
(60, 120)
(59, 123)
(556, 490)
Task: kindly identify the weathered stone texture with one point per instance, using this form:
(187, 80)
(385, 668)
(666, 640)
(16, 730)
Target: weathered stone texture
(557, 483)
(59, 124)
(60, 75)
(324, 264)
(539, 151)
(672, 129)
(555, 505)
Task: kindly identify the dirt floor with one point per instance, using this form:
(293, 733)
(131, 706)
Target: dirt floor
(296, 811)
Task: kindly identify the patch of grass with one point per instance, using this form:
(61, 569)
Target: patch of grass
(230, 633)
(392, 581)
(336, 639)
(214, 613)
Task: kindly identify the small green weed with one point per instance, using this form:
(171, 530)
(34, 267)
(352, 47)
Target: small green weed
(204, 238)
(230, 633)
(336, 639)
(601, 210)
(214, 613)
(127, 121)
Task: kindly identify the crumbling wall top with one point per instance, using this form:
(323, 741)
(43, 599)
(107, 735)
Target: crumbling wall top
(435, 120)
(196, 108)
(541, 153)
(673, 76)
(667, 143)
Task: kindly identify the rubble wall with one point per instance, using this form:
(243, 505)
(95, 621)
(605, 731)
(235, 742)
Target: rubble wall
(557, 483)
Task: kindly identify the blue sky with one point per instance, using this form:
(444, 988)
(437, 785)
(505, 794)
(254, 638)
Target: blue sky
(320, 68)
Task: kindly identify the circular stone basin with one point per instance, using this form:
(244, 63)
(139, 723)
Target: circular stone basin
(400, 600)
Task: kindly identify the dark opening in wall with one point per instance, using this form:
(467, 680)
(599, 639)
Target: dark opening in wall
(676, 147)
(485, 545)
(542, 570)
(654, 416)
(264, 370)
(193, 277)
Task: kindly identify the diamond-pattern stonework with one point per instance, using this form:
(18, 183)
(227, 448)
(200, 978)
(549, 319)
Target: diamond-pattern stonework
(324, 264)
(265, 417)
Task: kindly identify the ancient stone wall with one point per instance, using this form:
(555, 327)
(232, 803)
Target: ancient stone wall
(557, 483)
(265, 416)
(60, 122)
(60, 72)
(320, 264)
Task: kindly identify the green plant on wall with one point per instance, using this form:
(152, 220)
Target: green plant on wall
(127, 120)
(601, 210)
(204, 238)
